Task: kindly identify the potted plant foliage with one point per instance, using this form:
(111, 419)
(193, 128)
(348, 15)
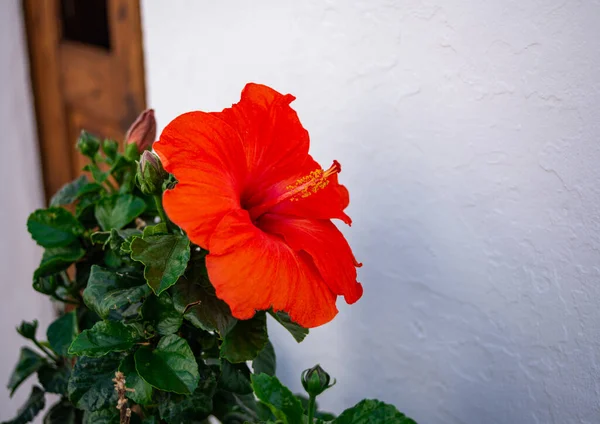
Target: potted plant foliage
(168, 264)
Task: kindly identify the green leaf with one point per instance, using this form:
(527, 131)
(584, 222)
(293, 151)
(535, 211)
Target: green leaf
(54, 227)
(104, 416)
(114, 238)
(117, 237)
(62, 332)
(29, 363)
(46, 285)
(108, 416)
(296, 330)
(235, 378)
(324, 416)
(170, 367)
(193, 409)
(90, 188)
(97, 174)
(100, 237)
(161, 314)
(142, 391)
(104, 337)
(246, 339)
(54, 380)
(279, 398)
(112, 260)
(60, 413)
(91, 387)
(156, 230)
(164, 256)
(372, 411)
(266, 361)
(151, 420)
(149, 230)
(58, 259)
(114, 295)
(118, 210)
(202, 308)
(32, 407)
(68, 193)
(87, 198)
(86, 203)
(232, 408)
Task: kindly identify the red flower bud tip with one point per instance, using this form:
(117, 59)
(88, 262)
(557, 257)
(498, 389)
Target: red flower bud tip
(143, 131)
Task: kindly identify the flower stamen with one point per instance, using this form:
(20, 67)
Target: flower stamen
(301, 189)
(313, 182)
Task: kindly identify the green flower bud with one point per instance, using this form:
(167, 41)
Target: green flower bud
(315, 380)
(110, 148)
(150, 174)
(28, 329)
(88, 144)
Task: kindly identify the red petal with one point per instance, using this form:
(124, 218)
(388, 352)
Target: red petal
(252, 270)
(206, 156)
(326, 246)
(274, 141)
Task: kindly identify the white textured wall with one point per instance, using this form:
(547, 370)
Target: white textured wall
(469, 134)
(20, 194)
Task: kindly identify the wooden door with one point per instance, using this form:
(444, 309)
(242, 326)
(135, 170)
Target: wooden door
(87, 72)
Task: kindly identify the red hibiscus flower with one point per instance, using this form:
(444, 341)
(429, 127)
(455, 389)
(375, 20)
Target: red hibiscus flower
(249, 193)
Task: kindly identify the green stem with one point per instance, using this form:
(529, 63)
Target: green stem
(245, 408)
(312, 401)
(111, 187)
(161, 210)
(62, 299)
(65, 278)
(72, 289)
(46, 351)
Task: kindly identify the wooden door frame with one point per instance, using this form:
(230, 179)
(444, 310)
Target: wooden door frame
(42, 23)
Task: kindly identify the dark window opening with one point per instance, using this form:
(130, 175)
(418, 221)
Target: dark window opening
(85, 22)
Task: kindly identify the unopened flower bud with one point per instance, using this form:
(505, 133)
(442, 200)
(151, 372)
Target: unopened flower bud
(110, 148)
(142, 132)
(150, 174)
(88, 144)
(315, 380)
(28, 329)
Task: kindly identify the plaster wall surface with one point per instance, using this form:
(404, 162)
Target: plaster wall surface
(469, 134)
(20, 193)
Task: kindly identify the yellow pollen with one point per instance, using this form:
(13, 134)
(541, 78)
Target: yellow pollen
(311, 183)
(301, 189)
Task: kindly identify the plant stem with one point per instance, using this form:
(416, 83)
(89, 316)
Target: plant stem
(161, 210)
(111, 187)
(65, 278)
(46, 351)
(312, 400)
(61, 299)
